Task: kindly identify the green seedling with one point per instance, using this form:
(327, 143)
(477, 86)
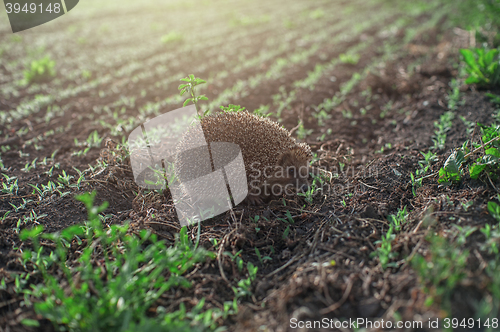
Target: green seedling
(492, 235)
(454, 95)
(236, 258)
(189, 86)
(9, 188)
(494, 210)
(441, 270)
(429, 158)
(489, 163)
(302, 132)
(22, 206)
(29, 166)
(245, 285)
(232, 108)
(50, 188)
(416, 180)
(312, 190)
(386, 108)
(33, 217)
(442, 127)
(317, 13)
(384, 250)
(467, 205)
(351, 59)
(262, 259)
(321, 116)
(398, 219)
(64, 178)
(40, 70)
(2, 219)
(468, 124)
(289, 218)
(171, 37)
(494, 98)
(451, 171)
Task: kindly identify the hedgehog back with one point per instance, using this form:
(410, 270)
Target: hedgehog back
(261, 140)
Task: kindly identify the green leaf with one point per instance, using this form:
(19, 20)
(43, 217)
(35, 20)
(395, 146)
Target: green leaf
(30, 322)
(451, 169)
(472, 80)
(31, 233)
(494, 210)
(493, 152)
(475, 170)
(72, 231)
(469, 58)
(489, 57)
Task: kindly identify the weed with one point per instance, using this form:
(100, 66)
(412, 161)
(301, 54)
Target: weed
(316, 14)
(351, 59)
(454, 95)
(467, 205)
(171, 37)
(483, 66)
(468, 124)
(192, 82)
(386, 108)
(8, 187)
(22, 206)
(442, 269)
(262, 259)
(494, 210)
(399, 219)
(133, 278)
(232, 108)
(64, 178)
(429, 158)
(451, 171)
(40, 70)
(384, 249)
(443, 126)
(494, 98)
(33, 217)
(236, 258)
(489, 163)
(302, 133)
(311, 191)
(29, 166)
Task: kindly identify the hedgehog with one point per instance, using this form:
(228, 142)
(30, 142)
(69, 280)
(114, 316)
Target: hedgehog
(274, 162)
